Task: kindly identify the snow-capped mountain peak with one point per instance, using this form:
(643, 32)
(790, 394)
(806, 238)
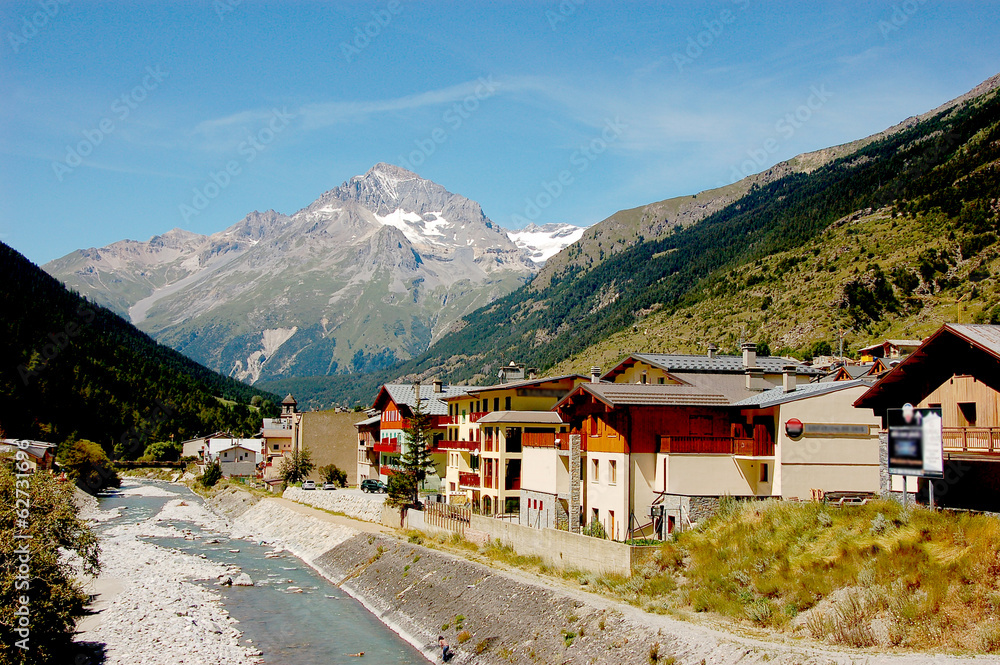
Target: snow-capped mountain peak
(543, 242)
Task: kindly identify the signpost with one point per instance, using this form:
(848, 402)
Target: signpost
(915, 444)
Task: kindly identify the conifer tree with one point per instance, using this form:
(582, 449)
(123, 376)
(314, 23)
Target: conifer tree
(416, 458)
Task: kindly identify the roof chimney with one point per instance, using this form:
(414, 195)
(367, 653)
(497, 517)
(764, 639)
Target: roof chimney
(755, 378)
(532, 373)
(712, 348)
(595, 374)
(416, 391)
(438, 385)
(749, 355)
(788, 379)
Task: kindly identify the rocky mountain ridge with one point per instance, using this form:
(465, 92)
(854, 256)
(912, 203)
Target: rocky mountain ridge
(368, 274)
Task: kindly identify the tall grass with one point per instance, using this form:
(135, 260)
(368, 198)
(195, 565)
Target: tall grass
(862, 575)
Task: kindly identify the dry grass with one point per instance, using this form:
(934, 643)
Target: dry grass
(888, 576)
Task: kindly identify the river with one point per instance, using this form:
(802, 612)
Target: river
(292, 614)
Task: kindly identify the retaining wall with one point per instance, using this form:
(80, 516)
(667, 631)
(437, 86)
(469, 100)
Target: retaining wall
(361, 507)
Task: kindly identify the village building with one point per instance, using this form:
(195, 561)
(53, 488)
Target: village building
(41, 455)
(396, 403)
(331, 438)
(238, 460)
(488, 428)
(889, 349)
(658, 455)
(368, 436)
(956, 369)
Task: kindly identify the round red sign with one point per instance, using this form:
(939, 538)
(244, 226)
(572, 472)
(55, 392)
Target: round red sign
(793, 427)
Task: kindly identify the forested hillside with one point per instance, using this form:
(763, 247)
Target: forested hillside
(73, 370)
(886, 237)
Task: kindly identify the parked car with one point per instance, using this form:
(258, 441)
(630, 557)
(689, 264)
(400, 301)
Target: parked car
(308, 484)
(329, 486)
(372, 485)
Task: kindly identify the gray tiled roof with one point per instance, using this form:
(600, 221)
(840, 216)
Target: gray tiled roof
(727, 364)
(521, 383)
(982, 334)
(369, 421)
(431, 402)
(537, 417)
(777, 396)
(654, 394)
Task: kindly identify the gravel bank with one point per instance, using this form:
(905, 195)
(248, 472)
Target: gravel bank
(155, 614)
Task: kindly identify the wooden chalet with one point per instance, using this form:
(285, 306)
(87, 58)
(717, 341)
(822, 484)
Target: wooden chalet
(956, 369)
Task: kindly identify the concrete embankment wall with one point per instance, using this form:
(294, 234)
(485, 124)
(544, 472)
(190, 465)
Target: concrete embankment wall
(368, 509)
(560, 549)
(424, 592)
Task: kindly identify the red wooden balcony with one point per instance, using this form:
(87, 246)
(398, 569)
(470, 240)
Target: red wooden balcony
(971, 439)
(716, 445)
(468, 480)
(458, 445)
(541, 440)
(389, 446)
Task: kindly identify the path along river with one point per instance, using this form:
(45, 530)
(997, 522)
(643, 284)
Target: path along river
(291, 614)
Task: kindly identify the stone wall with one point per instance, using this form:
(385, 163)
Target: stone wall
(358, 506)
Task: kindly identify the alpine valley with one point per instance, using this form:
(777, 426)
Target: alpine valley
(367, 276)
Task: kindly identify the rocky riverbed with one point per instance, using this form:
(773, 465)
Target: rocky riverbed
(153, 610)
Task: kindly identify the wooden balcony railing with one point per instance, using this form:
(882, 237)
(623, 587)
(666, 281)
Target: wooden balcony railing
(468, 480)
(715, 445)
(458, 445)
(971, 439)
(476, 415)
(539, 439)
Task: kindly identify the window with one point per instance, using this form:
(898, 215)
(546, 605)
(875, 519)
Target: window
(541, 505)
(611, 524)
(496, 403)
(506, 404)
(661, 380)
(966, 414)
(275, 446)
(612, 472)
(593, 426)
(596, 471)
(452, 487)
(763, 472)
(595, 515)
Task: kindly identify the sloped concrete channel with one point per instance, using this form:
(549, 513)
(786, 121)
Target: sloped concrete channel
(511, 617)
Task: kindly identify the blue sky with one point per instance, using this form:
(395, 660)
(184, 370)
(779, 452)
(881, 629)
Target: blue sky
(124, 120)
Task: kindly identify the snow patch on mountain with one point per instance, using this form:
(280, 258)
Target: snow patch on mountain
(543, 242)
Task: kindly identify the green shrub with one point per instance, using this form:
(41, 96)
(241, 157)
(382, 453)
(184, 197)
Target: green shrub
(212, 474)
(56, 597)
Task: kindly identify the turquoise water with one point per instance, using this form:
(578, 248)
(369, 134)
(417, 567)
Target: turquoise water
(319, 625)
